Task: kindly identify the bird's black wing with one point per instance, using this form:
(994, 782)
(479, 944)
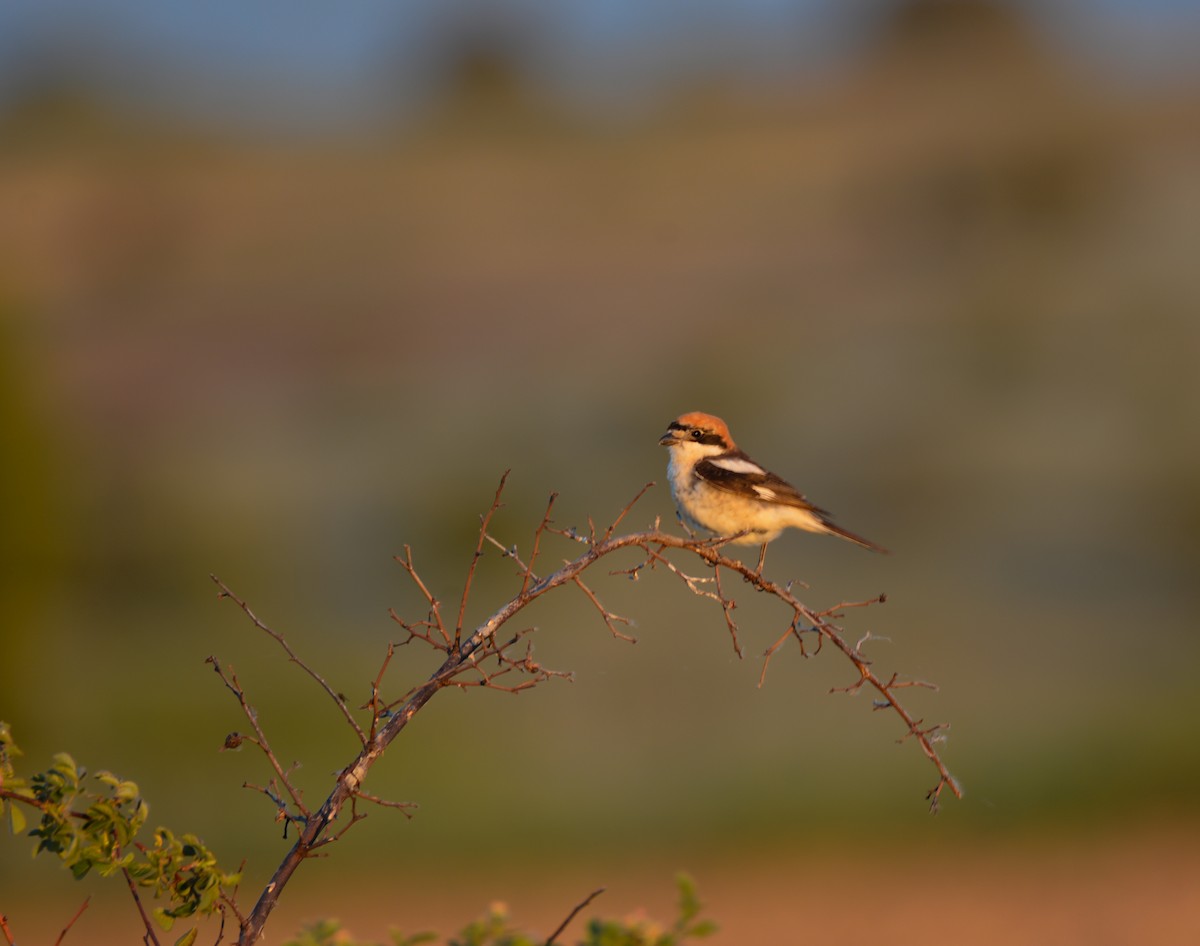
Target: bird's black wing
(737, 473)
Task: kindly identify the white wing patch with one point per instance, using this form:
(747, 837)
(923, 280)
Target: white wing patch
(738, 465)
(765, 492)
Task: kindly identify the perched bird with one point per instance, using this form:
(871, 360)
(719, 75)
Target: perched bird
(716, 487)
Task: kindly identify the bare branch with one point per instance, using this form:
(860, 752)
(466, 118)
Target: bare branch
(828, 631)
(465, 655)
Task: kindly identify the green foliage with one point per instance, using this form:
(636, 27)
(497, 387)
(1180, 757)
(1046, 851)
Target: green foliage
(644, 932)
(93, 823)
(330, 933)
(494, 929)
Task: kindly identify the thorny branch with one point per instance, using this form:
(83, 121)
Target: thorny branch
(482, 657)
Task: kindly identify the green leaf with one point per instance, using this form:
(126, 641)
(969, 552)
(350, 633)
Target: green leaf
(16, 818)
(689, 903)
(65, 765)
(188, 938)
(165, 920)
(415, 940)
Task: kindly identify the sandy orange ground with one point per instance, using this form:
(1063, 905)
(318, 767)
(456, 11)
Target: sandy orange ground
(1134, 888)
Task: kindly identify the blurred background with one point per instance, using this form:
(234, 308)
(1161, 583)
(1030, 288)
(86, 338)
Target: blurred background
(283, 289)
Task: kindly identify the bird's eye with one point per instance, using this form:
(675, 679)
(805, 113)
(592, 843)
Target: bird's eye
(697, 433)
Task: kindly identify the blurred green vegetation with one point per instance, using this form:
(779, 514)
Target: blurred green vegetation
(953, 297)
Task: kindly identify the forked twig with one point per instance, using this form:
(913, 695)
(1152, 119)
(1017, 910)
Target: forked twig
(610, 620)
(794, 630)
(435, 610)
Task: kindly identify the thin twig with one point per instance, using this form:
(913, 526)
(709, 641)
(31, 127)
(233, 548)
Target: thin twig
(404, 807)
(151, 936)
(523, 569)
(655, 557)
(224, 916)
(435, 608)
(794, 630)
(835, 611)
(610, 620)
(570, 916)
(483, 526)
(624, 512)
(78, 913)
(373, 704)
(230, 901)
(537, 543)
(333, 695)
(8, 937)
(234, 687)
(727, 606)
(354, 819)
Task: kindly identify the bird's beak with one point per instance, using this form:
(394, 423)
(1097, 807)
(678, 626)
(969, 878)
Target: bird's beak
(670, 438)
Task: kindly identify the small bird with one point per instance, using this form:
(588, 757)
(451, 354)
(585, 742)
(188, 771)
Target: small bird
(716, 487)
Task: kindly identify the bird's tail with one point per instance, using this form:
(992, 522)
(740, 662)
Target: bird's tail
(833, 529)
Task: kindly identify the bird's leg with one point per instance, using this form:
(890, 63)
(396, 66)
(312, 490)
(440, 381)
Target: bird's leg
(684, 525)
(762, 557)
